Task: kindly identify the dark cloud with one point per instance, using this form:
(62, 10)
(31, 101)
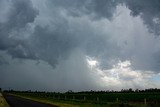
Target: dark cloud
(52, 45)
(149, 11)
(22, 13)
(19, 14)
(103, 9)
(56, 41)
(63, 34)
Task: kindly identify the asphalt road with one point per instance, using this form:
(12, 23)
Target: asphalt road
(14, 101)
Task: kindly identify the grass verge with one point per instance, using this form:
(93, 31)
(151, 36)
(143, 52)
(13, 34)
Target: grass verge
(48, 101)
(3, 102)
(74, 103)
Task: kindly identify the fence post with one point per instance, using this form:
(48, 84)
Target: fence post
(97, 98)
(84, 98)
(65, 98)
(117, 99)
(73, 98)
(145, 102)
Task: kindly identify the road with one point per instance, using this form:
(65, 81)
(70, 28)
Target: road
(14, 101)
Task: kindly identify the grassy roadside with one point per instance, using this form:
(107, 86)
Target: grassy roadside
(63, 103)
(3, 102)
(47, 101)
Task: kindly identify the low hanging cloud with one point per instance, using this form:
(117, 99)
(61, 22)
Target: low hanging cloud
(58, 35)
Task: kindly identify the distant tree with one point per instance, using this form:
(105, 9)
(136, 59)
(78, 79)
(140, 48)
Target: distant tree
(0, 89)
(130, 90)
(122, 90)
(69, 91)
(137, 90)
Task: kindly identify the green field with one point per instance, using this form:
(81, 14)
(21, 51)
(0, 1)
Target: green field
(96, 99)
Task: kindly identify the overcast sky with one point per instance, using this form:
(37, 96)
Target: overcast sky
(61, 45)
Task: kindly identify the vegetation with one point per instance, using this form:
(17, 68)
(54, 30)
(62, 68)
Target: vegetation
(124, 98)
(3, 102)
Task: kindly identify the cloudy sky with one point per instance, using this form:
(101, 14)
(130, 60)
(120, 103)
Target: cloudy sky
(61, 45)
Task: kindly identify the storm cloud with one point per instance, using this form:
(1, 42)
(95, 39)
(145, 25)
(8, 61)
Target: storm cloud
(55, 39)
(149, 12)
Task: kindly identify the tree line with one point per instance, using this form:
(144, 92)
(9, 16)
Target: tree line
(130, 90)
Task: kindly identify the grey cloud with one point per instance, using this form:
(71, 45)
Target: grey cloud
(56, 41)
(3, 60)
(52, 45)
(63, 33)
(103, 9)
(149, 10)
(22, 13)
(19, 14)
(71, 74)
